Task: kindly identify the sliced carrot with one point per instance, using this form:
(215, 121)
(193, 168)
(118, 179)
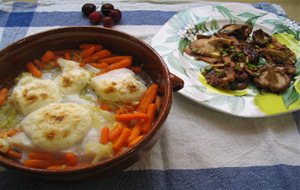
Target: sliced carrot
(148, 98)
(122, 140)
(67, 55)
(87, 52)
(135, 132)
(118, 65)
(34, 70)
(104, 135)
(41, 156)
(105, 107)
(115, 133)
(42, 164)
(82, 64)
(71, 158)
(54, 64)
(12, 132)
(131, 116)
(114, 59)
(96, 46)
(136, 70)
(48, 56)
(13, 154)
(151, 112)
(135, 141)
(97, 55)
(38, 63)
(102, 65)
(3, 96)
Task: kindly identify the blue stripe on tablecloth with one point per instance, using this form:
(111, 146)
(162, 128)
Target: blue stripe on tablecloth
(258, 177)
(3, 18)
(41, 19)
(16, 24)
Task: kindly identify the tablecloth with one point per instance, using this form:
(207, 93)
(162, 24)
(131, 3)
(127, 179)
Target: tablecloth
(199, 148)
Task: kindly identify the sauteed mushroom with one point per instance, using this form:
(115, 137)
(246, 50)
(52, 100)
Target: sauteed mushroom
(236, 59)
(261, 38)
(272, 78)
(239, 31)
(208, 45)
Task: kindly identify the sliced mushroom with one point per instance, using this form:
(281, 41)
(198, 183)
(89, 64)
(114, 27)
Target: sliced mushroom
(239, 31)
(221, 78)
(206, 46)
(252, 55)
(261, 38)
(272, 79)
(209, 60)
(283, 56)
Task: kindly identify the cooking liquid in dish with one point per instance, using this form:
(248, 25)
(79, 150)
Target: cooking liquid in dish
(74, 108)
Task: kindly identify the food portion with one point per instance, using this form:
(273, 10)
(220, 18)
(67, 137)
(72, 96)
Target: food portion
(239, 57)
(75, 108)
(57, 126)
(73, 78)
(32, 93)
(120, 85)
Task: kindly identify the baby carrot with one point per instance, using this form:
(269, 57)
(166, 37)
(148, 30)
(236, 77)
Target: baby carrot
(67, 55)
(97, 55)
(135, 141)
(12, 132)
(102, 65)
(3, 96)
(105, 107)
(34, 70)
(38, 63)
(136, 70)
(13, 154)
(131, 116)
(121, 141)
(82, 64)
(135, 132)
(48, 56)
(104, 135)
(114, 59)
(151, 112)
(71, 158)
(118, 65)
(115, 133)
(96, 46)
(87, 52)
(42, 164)
(148, 98)
(41, 156)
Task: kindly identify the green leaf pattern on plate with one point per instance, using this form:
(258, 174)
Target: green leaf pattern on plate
(173, 61)
(252, 18)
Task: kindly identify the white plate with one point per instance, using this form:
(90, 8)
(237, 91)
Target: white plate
(170, 41)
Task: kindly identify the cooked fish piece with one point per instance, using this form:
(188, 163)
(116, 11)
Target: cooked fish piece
(57, 126)
(32, 93)
(73, 78)
(119, 85)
